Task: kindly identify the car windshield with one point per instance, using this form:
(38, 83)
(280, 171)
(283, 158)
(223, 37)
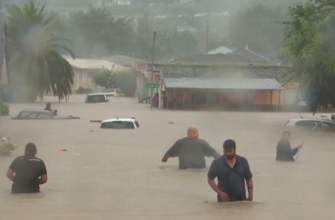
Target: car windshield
(28, 115)
(118, 125)
(96, 98)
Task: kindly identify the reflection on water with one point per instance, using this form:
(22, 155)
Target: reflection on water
(118, 174)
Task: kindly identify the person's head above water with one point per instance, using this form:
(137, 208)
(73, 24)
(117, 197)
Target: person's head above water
(229, 149)
(286, 135)
(192, 132)
(30, 150)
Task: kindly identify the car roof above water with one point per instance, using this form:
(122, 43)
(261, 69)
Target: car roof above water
(311, 119)
(35, 110)
(92, 94)
(132, 119)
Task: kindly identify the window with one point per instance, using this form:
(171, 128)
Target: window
(44, 116)
(326, 125)
(28, 115)
(118, 125)
(96, 98)
(307, 123)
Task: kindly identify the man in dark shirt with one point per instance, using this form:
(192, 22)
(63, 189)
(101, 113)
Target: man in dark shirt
(284, 150)
(191, 151)
(48, 107)
(27, 172)
(232, 171)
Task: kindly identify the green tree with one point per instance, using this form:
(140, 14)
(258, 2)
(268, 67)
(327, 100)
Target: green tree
(98, 33)
(258, 26)
(35, 63)
(185, 43)
(105, 78)
(311, 44)
(123, 80)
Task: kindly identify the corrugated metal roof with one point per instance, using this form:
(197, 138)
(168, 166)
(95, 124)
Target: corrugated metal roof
(202, 71)
(219, 83)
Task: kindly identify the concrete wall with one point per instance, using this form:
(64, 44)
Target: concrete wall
(82, 79)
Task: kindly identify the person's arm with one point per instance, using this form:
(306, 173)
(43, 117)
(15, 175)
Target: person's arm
(285, 149)
(11, 170)
(250, 187)
(10, 174)
(248, 180)
(209, 151)
(172, 152)
(211, 175)
(43, 174)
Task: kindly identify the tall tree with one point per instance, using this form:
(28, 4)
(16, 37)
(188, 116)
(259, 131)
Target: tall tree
(311, 44)
(36, 65)
(98, 33)
(258, 26)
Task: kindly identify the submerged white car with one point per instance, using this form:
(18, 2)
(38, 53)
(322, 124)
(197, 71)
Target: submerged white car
(311, 122)
(119, 123)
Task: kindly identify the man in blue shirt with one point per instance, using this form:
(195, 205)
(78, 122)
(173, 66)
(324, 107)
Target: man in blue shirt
(191, 151)
(284, 150)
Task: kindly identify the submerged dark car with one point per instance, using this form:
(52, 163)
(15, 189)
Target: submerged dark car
(30, 113)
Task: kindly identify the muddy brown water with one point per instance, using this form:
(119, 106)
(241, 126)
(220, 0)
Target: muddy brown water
(117, 174)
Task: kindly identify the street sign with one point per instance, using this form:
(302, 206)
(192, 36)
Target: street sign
(151, 85)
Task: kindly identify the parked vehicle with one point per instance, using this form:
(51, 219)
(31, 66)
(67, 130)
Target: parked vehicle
(311, 122)
(113, 92)
(30, 113)
(120, 123)
(96, 98)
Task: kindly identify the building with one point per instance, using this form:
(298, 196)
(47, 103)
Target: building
(225, 86)
(84, 68)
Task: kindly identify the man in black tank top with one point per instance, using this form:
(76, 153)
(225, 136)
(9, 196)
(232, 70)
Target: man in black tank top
(27, 172)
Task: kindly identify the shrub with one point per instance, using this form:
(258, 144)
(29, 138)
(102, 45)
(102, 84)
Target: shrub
(6, 147)
(82, 90)
(4, 109)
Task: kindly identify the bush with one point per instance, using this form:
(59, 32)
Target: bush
(6, 147)
(82, 90)
(4, 109)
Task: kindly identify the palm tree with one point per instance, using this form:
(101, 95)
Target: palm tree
(36, 64)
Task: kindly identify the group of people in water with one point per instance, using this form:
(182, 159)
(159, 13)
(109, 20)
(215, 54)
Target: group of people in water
(232, 171)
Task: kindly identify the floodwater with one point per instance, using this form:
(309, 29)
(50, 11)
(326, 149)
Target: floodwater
(118, 174)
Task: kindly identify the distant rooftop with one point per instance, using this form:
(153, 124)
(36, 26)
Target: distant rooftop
(175, 71)
(93, 64)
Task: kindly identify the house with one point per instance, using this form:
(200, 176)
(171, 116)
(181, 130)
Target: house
(84, 68)
(245, 53)
(121, 2)
(227, 86)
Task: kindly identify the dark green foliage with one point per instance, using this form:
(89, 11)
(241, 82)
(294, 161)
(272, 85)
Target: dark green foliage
(4, 109)
(82, 90)
(310, 43)
(35, 64)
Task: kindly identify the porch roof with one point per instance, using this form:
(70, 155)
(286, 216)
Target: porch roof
(221, 83)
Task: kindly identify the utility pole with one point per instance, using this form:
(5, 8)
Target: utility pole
(153, 69)
(207, 30)
(2, 50)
